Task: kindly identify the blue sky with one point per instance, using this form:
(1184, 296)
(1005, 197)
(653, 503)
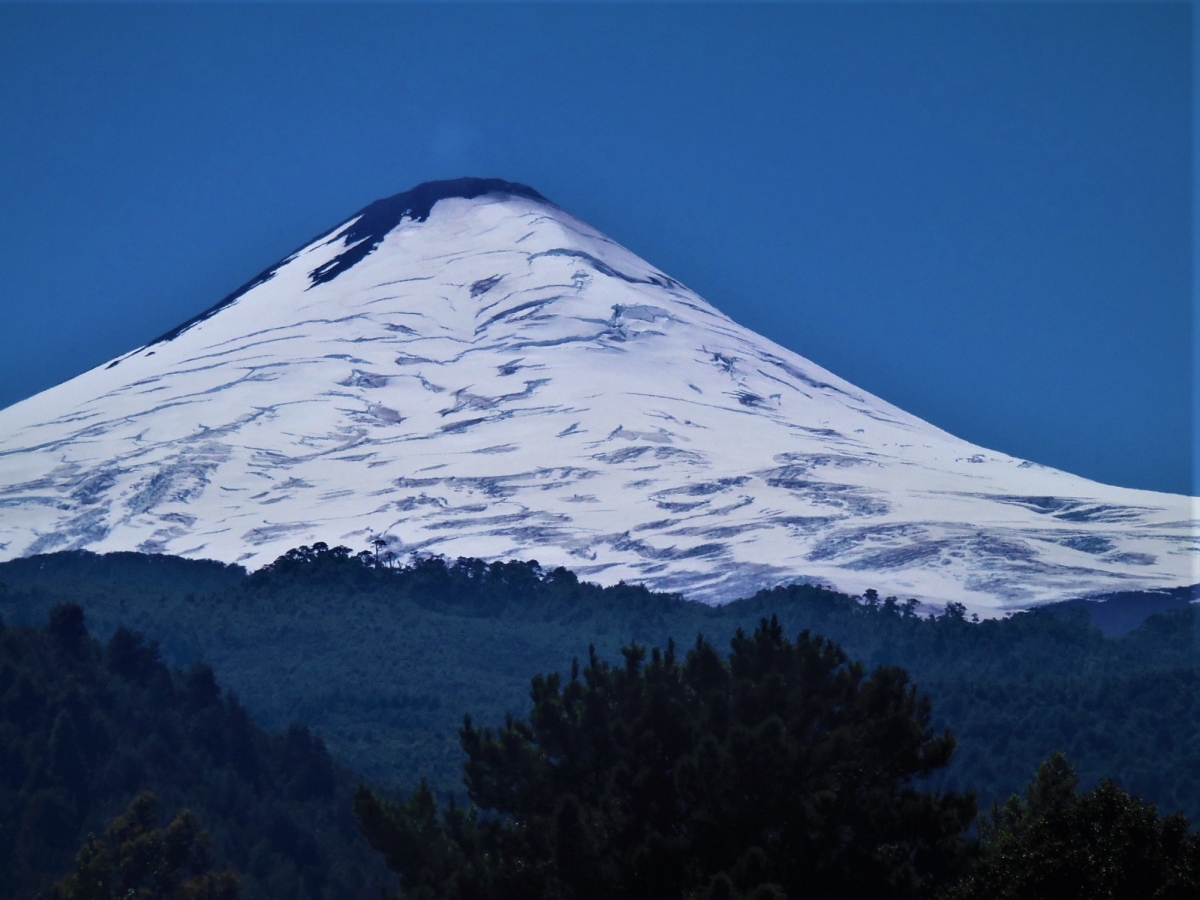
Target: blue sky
(980, 212)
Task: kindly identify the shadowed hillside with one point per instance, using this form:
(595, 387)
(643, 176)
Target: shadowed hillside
(383, 662)
(85, 726)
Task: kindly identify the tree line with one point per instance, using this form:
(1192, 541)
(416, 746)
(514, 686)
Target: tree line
(783, 769)
(747, 766)
(383, 661)
(87, 727)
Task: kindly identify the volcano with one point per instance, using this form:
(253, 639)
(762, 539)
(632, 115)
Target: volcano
(466, 369)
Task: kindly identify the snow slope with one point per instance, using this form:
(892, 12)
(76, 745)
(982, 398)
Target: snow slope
(466, 369)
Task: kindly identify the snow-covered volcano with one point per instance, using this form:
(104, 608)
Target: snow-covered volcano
(466, 369)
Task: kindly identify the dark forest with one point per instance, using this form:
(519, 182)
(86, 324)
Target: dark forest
(253, 705)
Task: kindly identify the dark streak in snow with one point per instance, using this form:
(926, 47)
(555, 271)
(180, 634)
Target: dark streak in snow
(363, 232)
(367, 229)
(483, 285)
(605, 269)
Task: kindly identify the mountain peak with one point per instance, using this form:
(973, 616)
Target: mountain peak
(500, 380)
(364, 231)
(369, 226)
(416, 203)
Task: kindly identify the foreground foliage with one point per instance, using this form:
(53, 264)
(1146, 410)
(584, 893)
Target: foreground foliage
(778, 769)
(137, 860)
(85, 727)
(383, 661)
(784, 770)
(1058, 844)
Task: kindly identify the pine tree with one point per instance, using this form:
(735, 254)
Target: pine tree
(135, 860)
(1058, 844)
(784, 771)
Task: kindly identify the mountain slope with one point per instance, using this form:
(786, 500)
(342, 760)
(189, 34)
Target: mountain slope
(466, 369)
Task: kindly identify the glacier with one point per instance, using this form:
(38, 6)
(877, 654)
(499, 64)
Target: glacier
(466, 369)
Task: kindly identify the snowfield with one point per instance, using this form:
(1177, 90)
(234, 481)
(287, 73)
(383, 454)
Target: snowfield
(466, 369)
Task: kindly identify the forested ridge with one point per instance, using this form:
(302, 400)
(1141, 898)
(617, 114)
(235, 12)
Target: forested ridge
(85, 727)
(130, 767)
(384, 661)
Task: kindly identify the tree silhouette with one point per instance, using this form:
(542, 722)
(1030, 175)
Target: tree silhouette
(1058, 844)
(136, 860)
(785, 770)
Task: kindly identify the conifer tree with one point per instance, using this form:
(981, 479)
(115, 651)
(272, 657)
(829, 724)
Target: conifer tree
(784, 771)
(1058, 844)
(136, 860)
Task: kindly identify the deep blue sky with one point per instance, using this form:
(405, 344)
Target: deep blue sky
(982, 213)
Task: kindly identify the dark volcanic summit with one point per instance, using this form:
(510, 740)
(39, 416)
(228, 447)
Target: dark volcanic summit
(367, 228)
(371, 224)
